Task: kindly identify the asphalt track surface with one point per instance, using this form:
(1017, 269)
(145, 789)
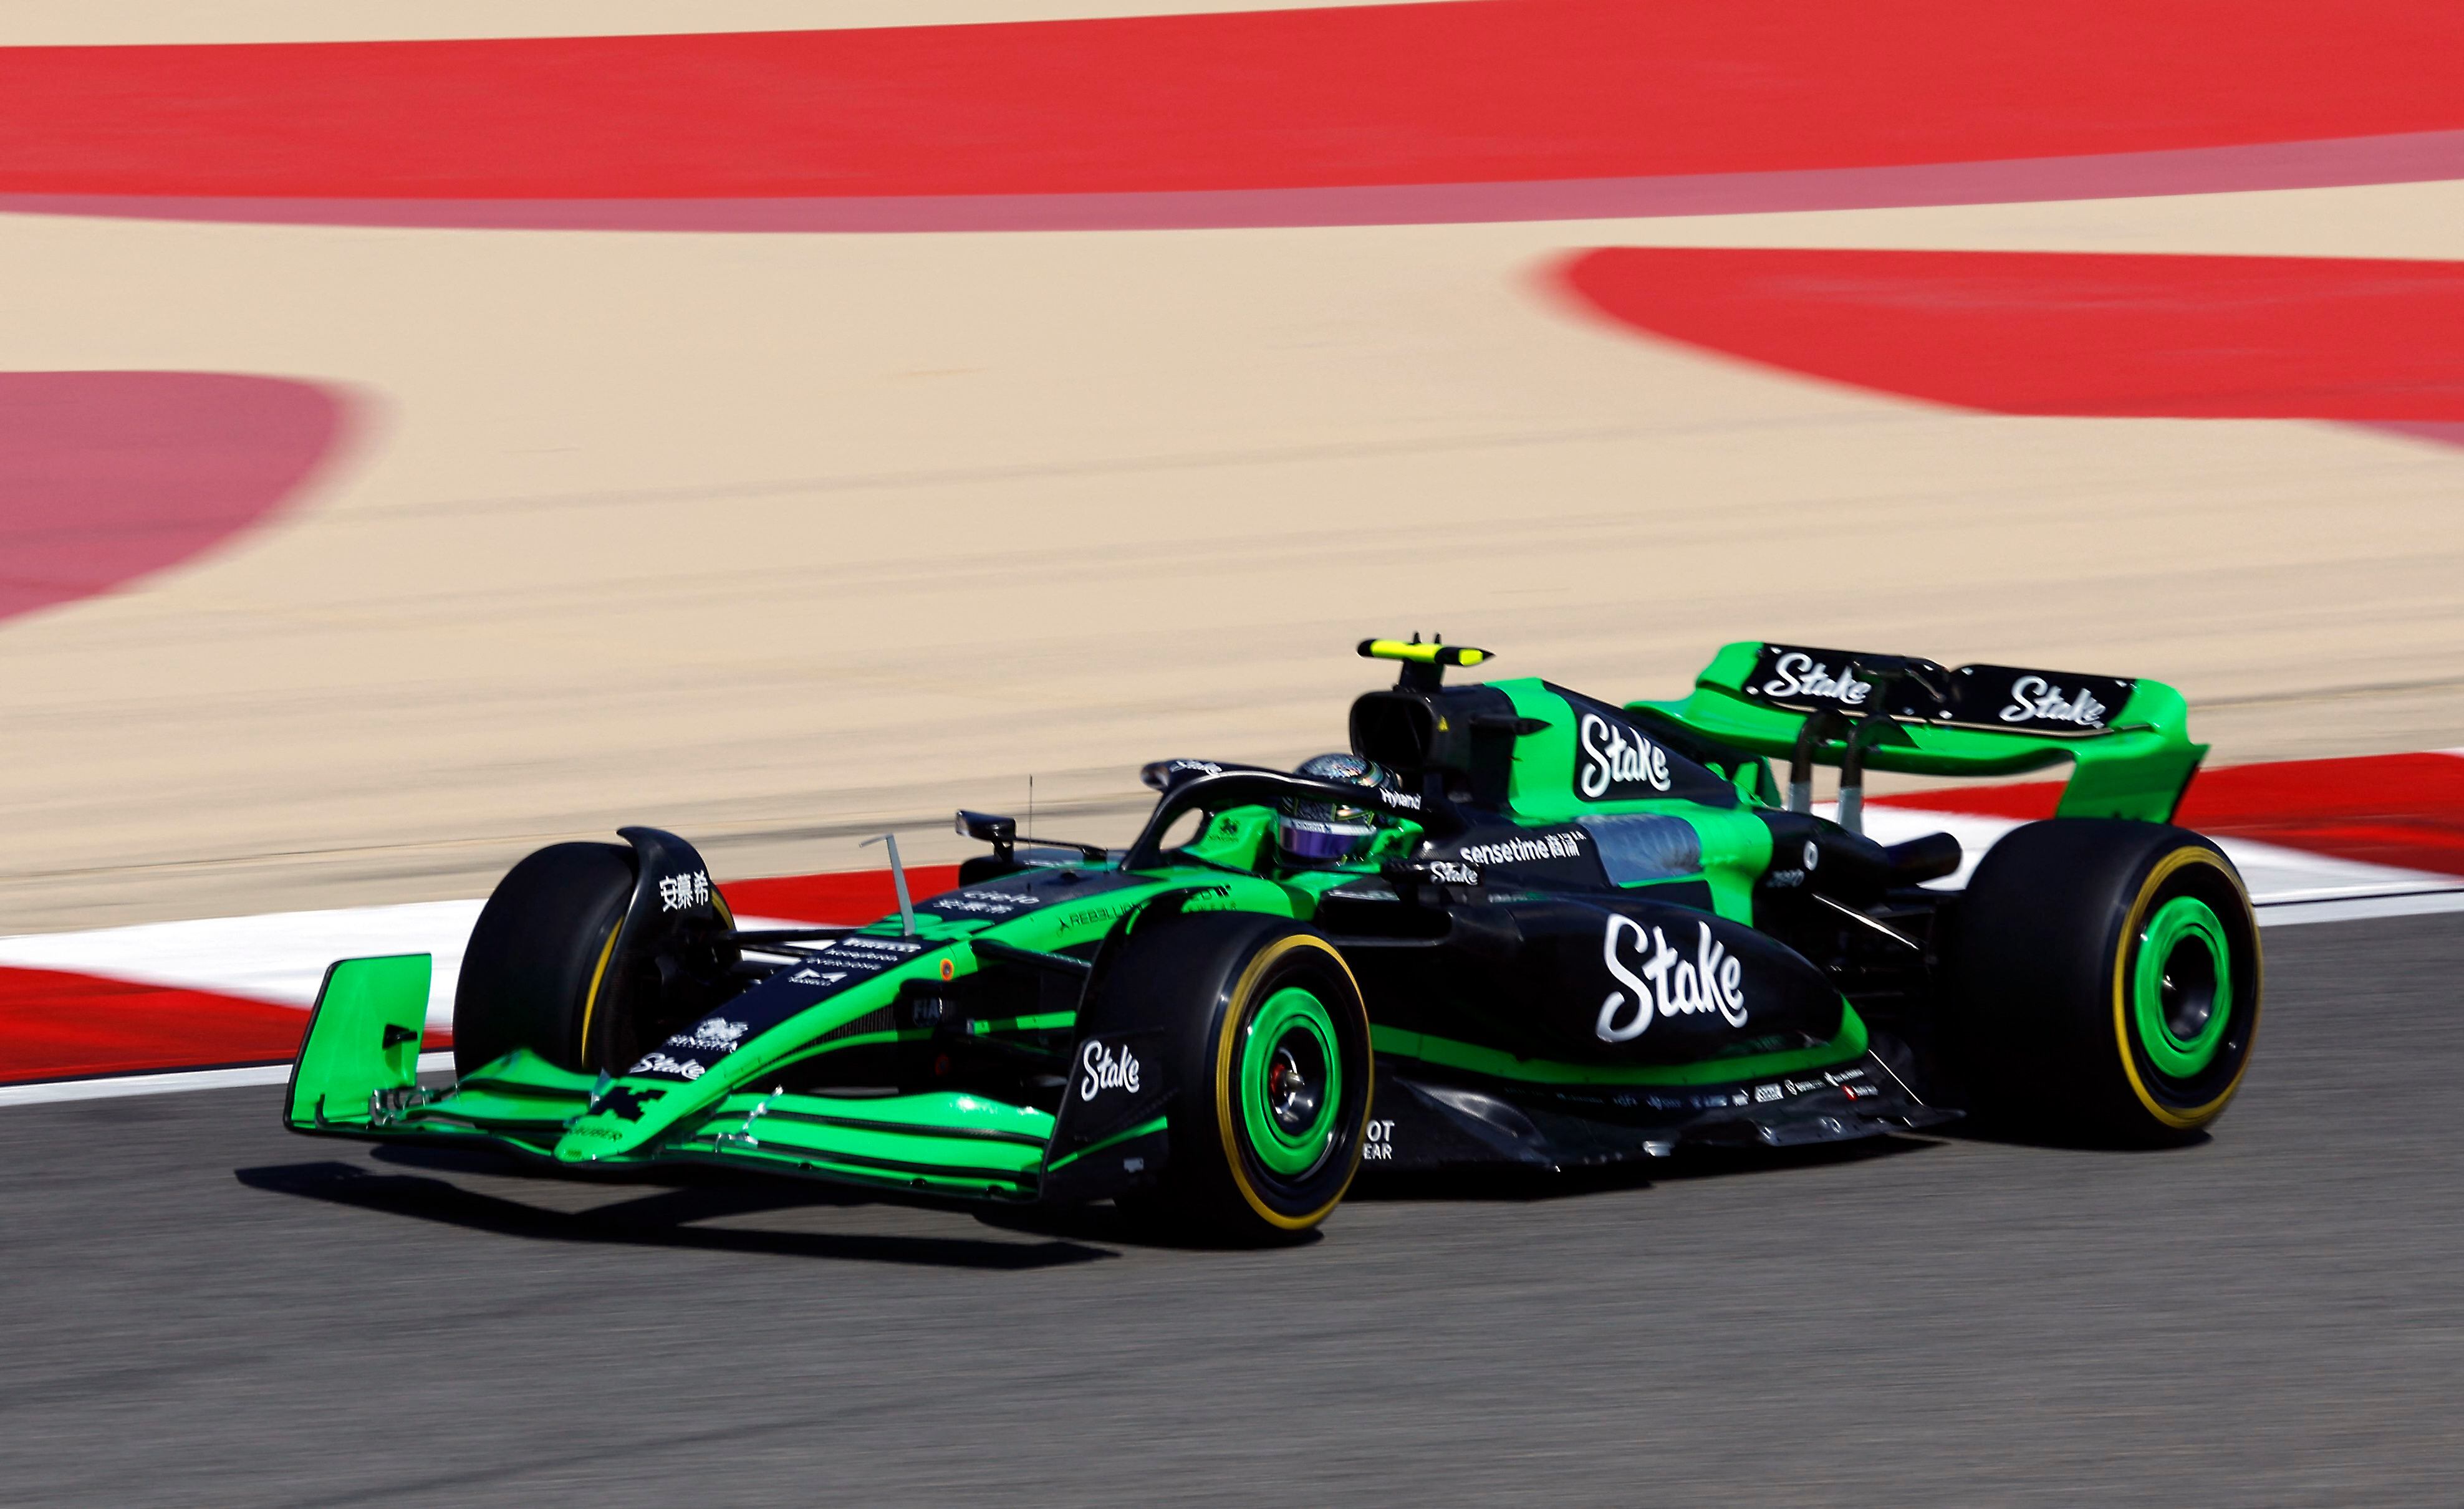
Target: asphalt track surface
(200, 1308)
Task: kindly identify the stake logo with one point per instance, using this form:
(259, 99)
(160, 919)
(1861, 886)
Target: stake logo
(1618, 761)
(1798, 674)
(1100, 1069)
(1668, 984)
(657, 1062)
(2033, 699)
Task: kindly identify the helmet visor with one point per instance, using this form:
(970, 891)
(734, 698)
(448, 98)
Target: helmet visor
(1319, 838)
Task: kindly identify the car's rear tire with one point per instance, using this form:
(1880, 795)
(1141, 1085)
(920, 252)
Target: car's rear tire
(2104, 980)
(539, 955)
(1268, 1039)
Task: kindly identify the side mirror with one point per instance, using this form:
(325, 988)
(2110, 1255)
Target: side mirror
(1002, 833)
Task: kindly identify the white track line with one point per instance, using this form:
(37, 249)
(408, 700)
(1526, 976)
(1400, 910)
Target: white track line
(118, 1085)
(279, 957)
(2359, 909)
(2289, 886)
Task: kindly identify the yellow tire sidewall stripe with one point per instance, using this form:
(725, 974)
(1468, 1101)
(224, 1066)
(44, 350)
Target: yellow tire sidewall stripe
(590, 1002)
(2199, 1116)
(1237, 1007)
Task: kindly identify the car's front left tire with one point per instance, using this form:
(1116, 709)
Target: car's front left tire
(1268, 1037)
(538, 961)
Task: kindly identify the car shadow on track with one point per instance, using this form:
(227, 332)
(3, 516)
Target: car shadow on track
(661, 1218)
(2057, 1140)
(1690, 1162)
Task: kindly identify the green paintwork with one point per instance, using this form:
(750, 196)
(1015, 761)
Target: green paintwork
(345, 1058)
(1236, 838)
(1447, 1052)
(1289, 1013)
(2183, 920)
(2137, 769)
(1736, 845)
(939, 1135)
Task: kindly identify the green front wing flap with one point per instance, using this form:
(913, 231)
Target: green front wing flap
(363, 1042)
(2137, 767)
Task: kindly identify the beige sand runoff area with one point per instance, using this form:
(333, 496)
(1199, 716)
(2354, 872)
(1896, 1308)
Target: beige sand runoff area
(781, 540)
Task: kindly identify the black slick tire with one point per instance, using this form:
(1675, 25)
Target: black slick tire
(1259, 1012)
(540, 954)
(2103, 980)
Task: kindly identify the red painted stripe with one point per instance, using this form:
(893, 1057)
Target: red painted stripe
(2411, 158)
(105, 476)
(59, 1026)
(856, 896)
(2048, 332)
(2404, 810)
(1487, 91)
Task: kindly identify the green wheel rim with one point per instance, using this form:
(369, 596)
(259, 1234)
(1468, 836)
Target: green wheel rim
(2182, 989)
(1291, 1082)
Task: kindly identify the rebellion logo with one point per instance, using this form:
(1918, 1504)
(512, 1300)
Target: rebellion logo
(1667, 984)
(1616, 759)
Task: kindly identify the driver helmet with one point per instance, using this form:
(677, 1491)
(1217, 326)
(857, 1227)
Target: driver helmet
(1325, 832)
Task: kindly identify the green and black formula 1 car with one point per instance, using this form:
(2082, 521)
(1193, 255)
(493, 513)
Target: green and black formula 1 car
(1513, 927)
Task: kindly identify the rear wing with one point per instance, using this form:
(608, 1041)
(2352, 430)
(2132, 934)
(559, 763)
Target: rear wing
(2128, 738)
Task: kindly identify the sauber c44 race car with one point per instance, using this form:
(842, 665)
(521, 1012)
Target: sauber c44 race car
(1511, 926)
